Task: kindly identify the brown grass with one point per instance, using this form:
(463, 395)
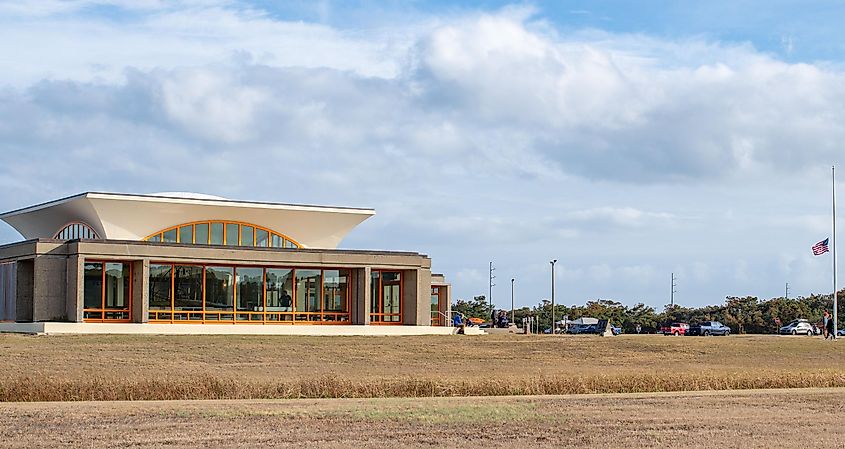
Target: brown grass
(752, 419)
(114, 367)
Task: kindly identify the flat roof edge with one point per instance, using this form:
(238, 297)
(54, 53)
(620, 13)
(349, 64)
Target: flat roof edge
(204, 201)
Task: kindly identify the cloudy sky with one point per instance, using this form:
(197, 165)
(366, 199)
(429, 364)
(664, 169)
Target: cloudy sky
(627, 142)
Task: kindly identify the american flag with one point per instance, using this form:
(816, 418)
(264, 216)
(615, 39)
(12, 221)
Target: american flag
(820, 248)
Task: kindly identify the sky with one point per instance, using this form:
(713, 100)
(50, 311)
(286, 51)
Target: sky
(626, 140)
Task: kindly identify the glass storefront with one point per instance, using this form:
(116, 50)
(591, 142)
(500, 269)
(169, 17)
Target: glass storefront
(248, 294)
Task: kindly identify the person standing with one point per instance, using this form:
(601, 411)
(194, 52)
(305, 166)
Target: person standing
(825, 320)
(829, 328)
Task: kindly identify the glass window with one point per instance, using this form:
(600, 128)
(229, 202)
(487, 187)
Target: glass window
(169, 236)
(250, 289)
(307, 290)
(160, 286)
(186, 234)
(232, 234)
(279, 289)
(187, 287)
(247, 236)
(155, 238)
(335, 290)
(216, 233)
(201, 234)
(277, 241)
(117, 285)
(219, 288)
(93, 285)
(262, 238)
(390, 293)
(289, 244)
(375, 283)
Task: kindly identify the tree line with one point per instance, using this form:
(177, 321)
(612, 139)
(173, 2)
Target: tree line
(743, 315)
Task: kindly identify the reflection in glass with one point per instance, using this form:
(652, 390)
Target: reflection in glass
(219, 288)
(247, 236)
(93, 285)
(169, 236)
(307, 290)
(390, 293)
(216, 233)
(277, 241)
(375, 285)
(187, 286)
(117, 285)
(335, 290)
(201, 234)
(262, 238)
(186, 234)
(250, 289)
(232, 234)
(160, 286)
(279, 289)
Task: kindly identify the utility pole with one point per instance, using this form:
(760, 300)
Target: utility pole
(786, 295)
(553, 295)
(490, 295)
(672, 295)
(512, 315)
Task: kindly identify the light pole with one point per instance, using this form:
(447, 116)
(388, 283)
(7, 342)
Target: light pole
(512, 315)
(553, 295)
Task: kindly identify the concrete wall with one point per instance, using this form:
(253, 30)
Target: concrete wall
(141, 291)
(74, 300)
(50, 288)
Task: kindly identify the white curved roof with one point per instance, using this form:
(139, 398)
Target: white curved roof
(134, 217)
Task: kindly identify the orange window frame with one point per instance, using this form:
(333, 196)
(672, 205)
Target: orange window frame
(103, 310)
(240, 225)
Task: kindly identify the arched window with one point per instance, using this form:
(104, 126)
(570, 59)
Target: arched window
(220, 232)
(76, 231)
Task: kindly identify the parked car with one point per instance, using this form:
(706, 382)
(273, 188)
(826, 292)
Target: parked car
(798, 327)
(616, 330)
(707, 328)
(675, 329)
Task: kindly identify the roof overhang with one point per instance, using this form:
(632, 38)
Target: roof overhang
(134, 217)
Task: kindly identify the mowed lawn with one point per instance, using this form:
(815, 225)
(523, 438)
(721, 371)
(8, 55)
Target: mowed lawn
(118, 367)
(746, 419)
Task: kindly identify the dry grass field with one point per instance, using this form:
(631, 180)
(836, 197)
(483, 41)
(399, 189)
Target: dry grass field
(748, 419)
(121, 367)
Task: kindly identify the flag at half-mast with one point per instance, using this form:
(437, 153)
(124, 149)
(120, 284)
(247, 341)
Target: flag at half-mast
(820, 248)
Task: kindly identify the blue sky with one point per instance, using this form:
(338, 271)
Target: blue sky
(628, 140)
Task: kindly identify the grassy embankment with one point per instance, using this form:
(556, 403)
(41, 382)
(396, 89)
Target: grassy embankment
(115, 367)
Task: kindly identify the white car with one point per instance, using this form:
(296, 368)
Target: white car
(798, 327)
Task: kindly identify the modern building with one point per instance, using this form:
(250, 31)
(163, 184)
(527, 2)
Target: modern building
(106, 262)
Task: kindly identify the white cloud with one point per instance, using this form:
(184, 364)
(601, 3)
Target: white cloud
(475, 137)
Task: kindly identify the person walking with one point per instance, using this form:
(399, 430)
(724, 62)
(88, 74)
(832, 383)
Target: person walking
(825, 319)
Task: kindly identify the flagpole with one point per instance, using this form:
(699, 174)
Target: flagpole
(835, 299)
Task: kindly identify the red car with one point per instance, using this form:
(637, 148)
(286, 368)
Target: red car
(675, 329)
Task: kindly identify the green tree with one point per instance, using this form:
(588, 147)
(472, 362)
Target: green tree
(478, 307)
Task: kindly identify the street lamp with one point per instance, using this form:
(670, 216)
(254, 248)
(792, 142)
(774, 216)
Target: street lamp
(512, 315)
(553, 295)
